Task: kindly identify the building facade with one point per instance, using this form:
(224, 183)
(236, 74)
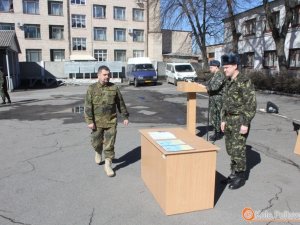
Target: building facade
(256, 44)
(63, 30)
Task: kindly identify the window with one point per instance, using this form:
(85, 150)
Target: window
(78, 21)
(33, 55)
(275, 16)
(31, 7)
(100, 33)
(138, 35)
(248, 59)
(32, 31)
(138, 15)
(55, 8)
(57, 55)
(100, 55)
(294, 58)
(6, 6)
(249, 27)
(120, 34)
(119, 13)
(56, 32)
(79, 44)
(296, 16)
(7, 26)
(211, 55)
(270, 59)
(120, 55)
(78, 2)
(138, 53)
(99, 11)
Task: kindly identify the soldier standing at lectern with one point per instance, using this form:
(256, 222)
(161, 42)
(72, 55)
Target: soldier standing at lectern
(239, 107)
(215, 89)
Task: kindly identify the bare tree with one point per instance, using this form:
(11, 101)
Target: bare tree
(234, 6)
(202, 16)
(279, 32)
(235, 34)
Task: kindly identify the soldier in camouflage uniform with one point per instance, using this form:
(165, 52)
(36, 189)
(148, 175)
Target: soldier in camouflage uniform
(215, 89)
(239, 107)
(101, 103)
(3, 87)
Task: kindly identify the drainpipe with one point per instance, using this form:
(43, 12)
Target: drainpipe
(147, 54)
(69, 27)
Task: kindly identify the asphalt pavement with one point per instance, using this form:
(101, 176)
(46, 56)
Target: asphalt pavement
(48, 175)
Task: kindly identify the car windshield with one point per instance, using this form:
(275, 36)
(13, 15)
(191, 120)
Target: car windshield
(184, 68)
(144, 67)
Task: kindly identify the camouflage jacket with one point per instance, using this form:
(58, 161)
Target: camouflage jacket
(215, 84)
(101, 103)
(239, 99)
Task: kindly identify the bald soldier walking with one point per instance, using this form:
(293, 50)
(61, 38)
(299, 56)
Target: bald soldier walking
(101, 103)
(239, 108)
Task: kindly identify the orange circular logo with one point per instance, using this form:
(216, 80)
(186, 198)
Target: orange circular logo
(248, 214)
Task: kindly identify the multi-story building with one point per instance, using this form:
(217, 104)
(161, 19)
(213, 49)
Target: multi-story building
(63, 30)
(256, 44)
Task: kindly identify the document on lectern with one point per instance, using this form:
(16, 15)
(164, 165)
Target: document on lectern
(160, 135)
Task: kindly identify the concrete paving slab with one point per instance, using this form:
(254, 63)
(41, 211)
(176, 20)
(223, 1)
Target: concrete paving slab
(48, 175)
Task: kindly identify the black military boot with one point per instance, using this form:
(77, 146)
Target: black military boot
(238, 181)
(230, 178)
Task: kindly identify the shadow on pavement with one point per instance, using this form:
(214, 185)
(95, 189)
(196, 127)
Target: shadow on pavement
(219, 186)
(253, 158)
(129, 158)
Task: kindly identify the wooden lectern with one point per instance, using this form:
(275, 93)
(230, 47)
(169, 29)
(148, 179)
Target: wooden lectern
(181, 181)
(191, 88)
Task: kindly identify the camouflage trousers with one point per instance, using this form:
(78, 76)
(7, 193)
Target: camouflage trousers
(215, 106)
(235, 143)
(103, 140)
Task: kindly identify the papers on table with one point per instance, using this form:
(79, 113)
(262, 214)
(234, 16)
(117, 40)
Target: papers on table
(159, 135)
(169, 142)
(175, 148)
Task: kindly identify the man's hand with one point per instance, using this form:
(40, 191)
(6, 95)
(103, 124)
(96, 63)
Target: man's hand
(91, 126)
(243, 129)
(125, 122)
(223, 126)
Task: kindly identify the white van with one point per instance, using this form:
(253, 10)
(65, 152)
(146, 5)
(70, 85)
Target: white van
(180, 72)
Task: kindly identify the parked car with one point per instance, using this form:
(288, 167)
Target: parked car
(140, 71)
(180, 72)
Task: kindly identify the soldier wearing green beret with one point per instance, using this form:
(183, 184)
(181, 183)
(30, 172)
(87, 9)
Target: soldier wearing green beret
(239, 108)
(101, 103)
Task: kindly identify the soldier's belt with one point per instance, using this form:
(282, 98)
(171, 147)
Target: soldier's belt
(231, 114)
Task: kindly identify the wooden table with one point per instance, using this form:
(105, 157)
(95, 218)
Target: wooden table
(181, 181)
